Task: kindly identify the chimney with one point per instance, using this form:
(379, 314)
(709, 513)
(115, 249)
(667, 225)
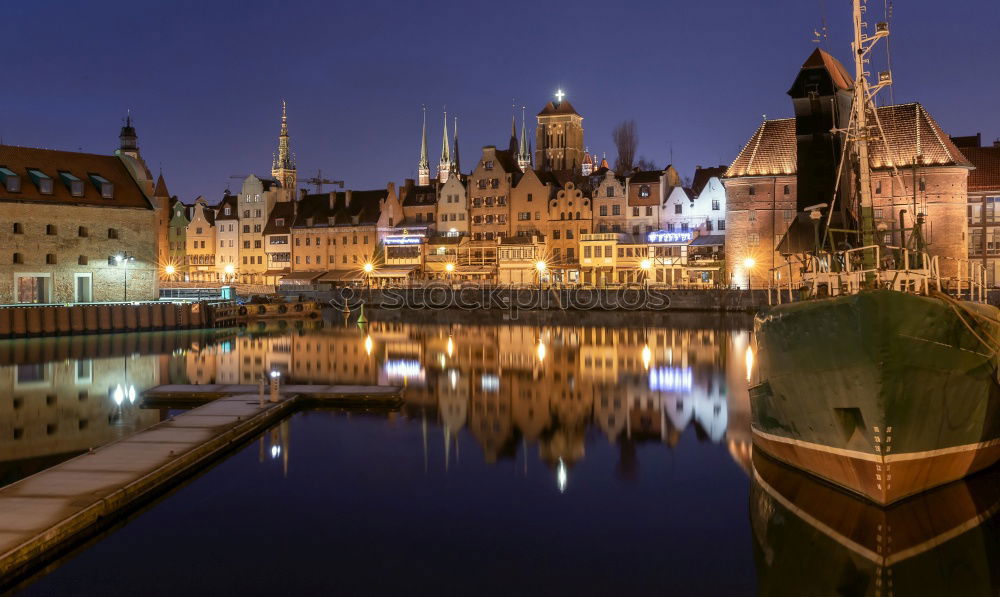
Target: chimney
(333, 200)
(302, 194)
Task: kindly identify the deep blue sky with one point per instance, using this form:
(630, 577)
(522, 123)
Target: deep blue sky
(204, 80)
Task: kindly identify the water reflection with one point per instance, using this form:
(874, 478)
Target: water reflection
(809, 534)
(63, 396)
(519, 385)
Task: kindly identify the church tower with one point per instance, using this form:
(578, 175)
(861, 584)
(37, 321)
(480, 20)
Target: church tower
(283, 165)
(559, 138)
(523, 152)
(129, 141)
(423, 166)
(444, 165)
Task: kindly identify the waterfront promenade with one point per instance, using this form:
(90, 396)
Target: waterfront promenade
(46, 514)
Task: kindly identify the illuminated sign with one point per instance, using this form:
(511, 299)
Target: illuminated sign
(670, 379)
(662, 236)
(404, 239)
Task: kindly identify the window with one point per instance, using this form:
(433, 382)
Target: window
(616, 210)
(708, 225)
(50, 229)
(256, 227)
(609, 191)
(753, 239)
(923, 184)
(82, 260)
(586, 252)
(678, 208)
(789, 214)
(644, 190)
(246, 213)
(42, 181)
(878, 213)
(18, 258)
(715, 204)
(555, 234)
(18, 228)
(488, 164)
(752, 191)
(112, 234)
(257, 213)
(752, 215)
(604, 210)
(197, 231)
(256, 244)
(50, 258)
(529, 197)
(225, 211)
(635, 212)
(246, 228)
(787, 190)
(81, 232)
(246, 245)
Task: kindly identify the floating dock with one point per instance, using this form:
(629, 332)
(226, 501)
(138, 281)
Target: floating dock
(46, 514)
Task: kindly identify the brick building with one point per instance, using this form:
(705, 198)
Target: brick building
(66, 215)
(782, 169)
(489, 189)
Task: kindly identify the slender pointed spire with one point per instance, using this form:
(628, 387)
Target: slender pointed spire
(512, 146)
(423, 166)
(444, 166)
(455, 165)
(523, 153)
(283, 164)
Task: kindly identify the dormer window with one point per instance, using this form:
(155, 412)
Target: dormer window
(226, 211)
(74, 184)
(10, 180)
(644, 190)
(279, 222)
(105, 186)
(488, 164)
(42, 180)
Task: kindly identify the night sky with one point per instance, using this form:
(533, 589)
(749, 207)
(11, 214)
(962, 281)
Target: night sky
(204, 80)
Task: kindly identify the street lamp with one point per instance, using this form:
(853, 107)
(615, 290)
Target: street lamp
(540, 267)
(748, 265)
(449, 268)
(230, 272)
(169, 270)
(124, 258)
(645, 265)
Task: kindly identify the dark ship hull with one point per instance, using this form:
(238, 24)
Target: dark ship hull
(812, 539)
(884, 393)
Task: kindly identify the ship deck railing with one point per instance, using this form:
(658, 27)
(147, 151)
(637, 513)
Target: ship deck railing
(899, 268)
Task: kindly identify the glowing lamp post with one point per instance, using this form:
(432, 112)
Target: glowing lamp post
(230, 273)
(748, 265)
(275, 381)
(449, 269)
(124, 258)
(645, 265)
(540, 267)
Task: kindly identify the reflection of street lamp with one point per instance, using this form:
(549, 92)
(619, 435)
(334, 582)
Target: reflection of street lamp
(368, 344)
(647, 356)
(540, 351)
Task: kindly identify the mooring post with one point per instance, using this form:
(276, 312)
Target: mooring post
(275, 380)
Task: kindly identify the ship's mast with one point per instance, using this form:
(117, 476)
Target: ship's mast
(860, 130)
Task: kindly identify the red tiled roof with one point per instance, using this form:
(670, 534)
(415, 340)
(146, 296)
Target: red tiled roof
(909, 132)
(986, 176)
(820, 59)
(81, 165)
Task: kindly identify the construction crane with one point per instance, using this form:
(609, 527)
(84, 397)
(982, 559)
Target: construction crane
(318, 181)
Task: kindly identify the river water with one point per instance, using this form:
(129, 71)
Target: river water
(591, 457)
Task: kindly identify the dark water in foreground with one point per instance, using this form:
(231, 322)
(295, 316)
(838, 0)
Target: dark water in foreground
(530, 460)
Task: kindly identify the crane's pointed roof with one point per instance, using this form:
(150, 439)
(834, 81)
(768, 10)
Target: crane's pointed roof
(822, 59)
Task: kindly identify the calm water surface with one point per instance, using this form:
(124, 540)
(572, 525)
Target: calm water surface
(527, 459)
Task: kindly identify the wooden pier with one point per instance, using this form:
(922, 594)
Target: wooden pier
(46, 514)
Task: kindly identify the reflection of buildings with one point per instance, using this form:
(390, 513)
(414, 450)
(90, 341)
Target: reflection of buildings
(57, 409)
(510, 384)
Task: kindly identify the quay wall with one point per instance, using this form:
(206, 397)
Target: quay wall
(64, 320)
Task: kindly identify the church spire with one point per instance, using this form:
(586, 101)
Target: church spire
(455, 166)
(283, 165)
(444, 166)
(423, 166)
(512, 146)
(523, 153)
